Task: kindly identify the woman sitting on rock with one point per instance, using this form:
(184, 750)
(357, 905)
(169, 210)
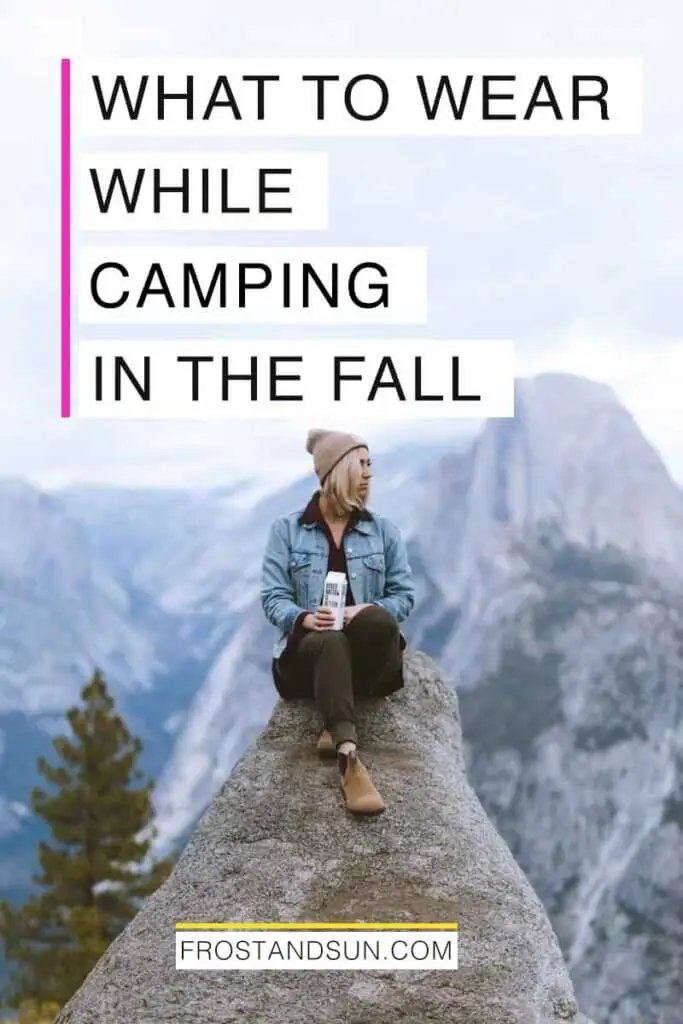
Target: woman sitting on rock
(335, 532)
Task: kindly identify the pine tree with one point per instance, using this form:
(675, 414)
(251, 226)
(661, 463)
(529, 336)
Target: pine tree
(32, 1012)
(95, 870)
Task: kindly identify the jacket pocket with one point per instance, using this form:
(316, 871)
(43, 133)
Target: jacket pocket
(300, 573)
(375, 562)
(374, 567)
(299, 560)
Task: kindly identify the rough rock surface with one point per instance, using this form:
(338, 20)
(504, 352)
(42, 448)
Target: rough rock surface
(277, 845)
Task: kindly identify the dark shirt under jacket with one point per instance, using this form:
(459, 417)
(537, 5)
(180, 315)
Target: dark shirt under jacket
(336, 561)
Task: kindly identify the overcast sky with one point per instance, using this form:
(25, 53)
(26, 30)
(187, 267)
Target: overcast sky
(572, 247)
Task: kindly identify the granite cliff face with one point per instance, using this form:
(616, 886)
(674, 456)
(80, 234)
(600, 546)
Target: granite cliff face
(577, 722)
(555, 560)
(277, 845)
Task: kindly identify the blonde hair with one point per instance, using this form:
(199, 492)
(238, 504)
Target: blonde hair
(341, 484)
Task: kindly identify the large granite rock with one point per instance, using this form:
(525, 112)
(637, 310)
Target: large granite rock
(277, 845)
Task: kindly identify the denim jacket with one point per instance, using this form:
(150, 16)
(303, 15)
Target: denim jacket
(295, 566)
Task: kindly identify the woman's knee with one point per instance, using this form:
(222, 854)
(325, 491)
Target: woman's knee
(326, 642)
(329, 655)
(375, 621)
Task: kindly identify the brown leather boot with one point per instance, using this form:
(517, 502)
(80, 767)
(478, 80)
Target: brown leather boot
(325, 745)
(358, 789)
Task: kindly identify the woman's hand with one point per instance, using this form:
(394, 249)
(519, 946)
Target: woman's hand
(352, 610)
(322, 618)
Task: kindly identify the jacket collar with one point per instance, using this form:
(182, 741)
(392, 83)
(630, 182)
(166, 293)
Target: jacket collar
(312, 516)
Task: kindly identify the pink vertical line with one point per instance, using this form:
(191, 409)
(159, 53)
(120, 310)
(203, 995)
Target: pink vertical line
(66, 237)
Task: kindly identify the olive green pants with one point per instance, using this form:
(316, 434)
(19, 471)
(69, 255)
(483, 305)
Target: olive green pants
(335, 667)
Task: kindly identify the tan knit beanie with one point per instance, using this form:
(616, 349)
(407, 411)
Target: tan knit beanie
(328, 447)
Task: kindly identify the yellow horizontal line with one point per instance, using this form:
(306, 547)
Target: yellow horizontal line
(313, 926)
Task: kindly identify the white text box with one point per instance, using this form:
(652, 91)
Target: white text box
(372, 96)
(231, 284)
(284, 379)
(317, 950)
(211, 191)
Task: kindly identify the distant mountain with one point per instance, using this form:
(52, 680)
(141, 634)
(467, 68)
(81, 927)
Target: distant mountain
(202, 550)
(572, 456)
(573, 461)
(61, 610)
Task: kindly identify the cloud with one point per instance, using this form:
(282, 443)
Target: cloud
(528, 238)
